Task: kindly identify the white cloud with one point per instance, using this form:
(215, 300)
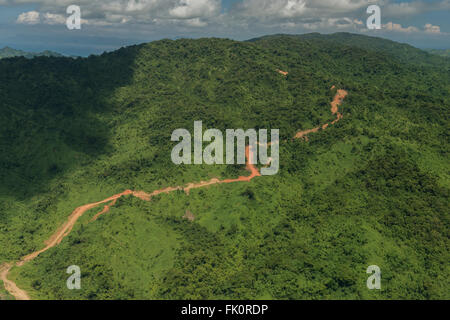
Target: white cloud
(405, 8)
(186, 9)
(390, 26)
(429, 28)
(34, 17)
(414, 8)
(50, 18)
(30, 17)
(196, 22)
(194, 13)
(274, 9)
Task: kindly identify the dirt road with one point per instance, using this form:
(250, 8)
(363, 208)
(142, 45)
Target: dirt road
(337, 101)
(67, 227)
(10, 286)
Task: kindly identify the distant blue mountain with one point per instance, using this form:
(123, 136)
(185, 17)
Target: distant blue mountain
(8, 52)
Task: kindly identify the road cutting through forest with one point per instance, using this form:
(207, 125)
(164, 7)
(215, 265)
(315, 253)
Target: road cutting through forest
(337, 101)
(67, 227)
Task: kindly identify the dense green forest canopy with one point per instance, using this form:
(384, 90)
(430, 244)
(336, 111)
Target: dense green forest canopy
(371, 190)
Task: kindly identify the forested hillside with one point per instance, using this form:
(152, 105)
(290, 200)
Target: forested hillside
(372, 189)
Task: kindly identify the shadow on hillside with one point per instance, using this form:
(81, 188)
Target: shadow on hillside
(54, 113)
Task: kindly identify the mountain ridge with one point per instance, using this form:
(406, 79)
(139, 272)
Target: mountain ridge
(370, 190)
(7, 52)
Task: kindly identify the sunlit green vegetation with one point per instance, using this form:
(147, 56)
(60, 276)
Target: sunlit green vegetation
(372, 189)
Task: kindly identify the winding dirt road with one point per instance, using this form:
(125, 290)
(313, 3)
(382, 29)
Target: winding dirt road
(67, 227)
(337, 101)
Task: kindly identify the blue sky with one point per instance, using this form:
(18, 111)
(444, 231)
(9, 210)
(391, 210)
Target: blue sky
(109, 24)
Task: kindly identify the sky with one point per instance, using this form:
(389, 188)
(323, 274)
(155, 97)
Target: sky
(106, 25)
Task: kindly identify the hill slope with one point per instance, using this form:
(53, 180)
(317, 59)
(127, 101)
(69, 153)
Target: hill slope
(372, 189)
